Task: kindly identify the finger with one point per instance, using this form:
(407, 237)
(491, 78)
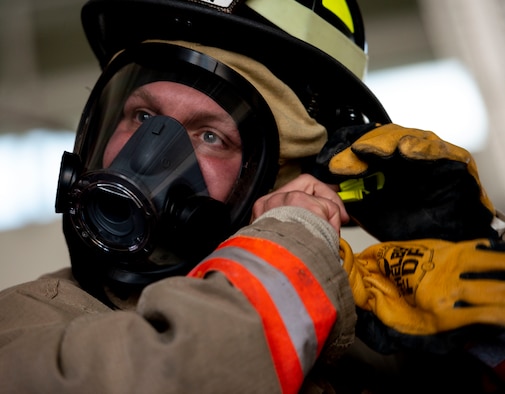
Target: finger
(431, 149)
(324, 208)
(483, 292)
(304, 182)
(334, 214)
(314, 187)
(294, 198)
(460, 317)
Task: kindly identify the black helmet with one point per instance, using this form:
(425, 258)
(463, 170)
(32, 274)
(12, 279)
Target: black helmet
(149, 214)
(316, 47)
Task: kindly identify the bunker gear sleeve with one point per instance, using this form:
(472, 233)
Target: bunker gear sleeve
(252, 318)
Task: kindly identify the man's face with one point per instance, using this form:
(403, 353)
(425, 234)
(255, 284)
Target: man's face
(212, 131)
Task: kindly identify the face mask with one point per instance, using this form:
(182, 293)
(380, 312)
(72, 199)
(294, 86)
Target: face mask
(155, 206)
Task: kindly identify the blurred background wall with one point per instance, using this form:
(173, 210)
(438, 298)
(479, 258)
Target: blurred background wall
(435, 64)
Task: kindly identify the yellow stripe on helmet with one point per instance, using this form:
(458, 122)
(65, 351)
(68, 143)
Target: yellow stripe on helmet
(341, 10)
(306, 25)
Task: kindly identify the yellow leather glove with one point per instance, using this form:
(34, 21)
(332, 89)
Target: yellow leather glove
(429, 286)
(431, 187)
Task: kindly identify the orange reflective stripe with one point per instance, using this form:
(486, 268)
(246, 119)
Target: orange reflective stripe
(311, 292)
(292, 304)
(284, 355)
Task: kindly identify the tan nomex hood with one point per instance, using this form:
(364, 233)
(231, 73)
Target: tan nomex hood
(300, 135)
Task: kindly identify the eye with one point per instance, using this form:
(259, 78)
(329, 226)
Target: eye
(210, 138)
(142, 116)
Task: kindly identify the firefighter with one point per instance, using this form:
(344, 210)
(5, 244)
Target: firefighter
(202, 207)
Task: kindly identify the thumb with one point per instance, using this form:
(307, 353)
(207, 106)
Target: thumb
(347, 163)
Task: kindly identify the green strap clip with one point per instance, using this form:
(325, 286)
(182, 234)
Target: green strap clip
(356, 189)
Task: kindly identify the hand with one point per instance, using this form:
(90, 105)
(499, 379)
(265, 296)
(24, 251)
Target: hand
(306, 192)
(431, 188)
(419, 289)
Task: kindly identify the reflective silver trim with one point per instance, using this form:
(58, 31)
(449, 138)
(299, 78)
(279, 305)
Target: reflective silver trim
(286, 299)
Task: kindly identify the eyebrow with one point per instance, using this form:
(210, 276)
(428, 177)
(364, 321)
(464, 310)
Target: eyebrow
(203, 113)
(144, 94)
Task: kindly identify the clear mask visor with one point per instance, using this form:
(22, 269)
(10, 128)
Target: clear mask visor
(174, 149)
